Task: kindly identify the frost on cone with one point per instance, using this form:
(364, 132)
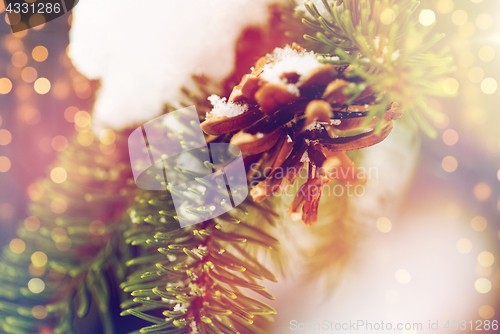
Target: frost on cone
(292, 111)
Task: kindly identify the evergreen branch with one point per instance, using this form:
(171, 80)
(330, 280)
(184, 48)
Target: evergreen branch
(75, 246)
(193, 279)
(399, 60)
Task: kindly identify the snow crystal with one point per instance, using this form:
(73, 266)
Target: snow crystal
(395, 55)
(194, 328)
(223, 108)
(292, 88)
(322, 57)
(314, 126)
(288, 60)
(305, 157)
(178, 284)
(181, 307)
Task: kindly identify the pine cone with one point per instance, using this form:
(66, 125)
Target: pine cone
(291, 111)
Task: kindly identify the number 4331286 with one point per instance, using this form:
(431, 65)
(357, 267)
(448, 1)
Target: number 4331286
(34, 8)
(478, 325)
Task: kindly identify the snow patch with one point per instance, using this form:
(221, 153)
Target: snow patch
(194, 328)
(181, 307)
(315, 126)
(141, 67)
(288, 60)
(305, 157)
(223, 108)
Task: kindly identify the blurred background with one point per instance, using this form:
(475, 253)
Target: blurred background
(44, 101)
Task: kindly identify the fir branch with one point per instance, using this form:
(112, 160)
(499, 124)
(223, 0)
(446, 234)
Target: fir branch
(399, 61)
(79, 245)
(194, 279)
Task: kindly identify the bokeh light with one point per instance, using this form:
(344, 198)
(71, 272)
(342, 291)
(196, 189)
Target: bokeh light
(59, 143)
(39, 312)
(403, 276)
(451, 86)
(82, 121)
(482, 191)
(58, 234)
(486, 53)
(31, 116)
(58, 205)
(97, 227)
(37, 21)
(5, 164)
(449, 164)
(486, 259)
(32, 223)
(479, 223)
(36, 285)
(484, 21)
(19, 59)
(384, 225)
(450, 137)
(444, 6)
(459, 17)
(58, 175)
(483, 285)
(35, 191)
(387, 16)
(486, 312)
(29, 74)
(476, 74)
(489, 86)
(85, 139)
(464, 246)
(39, 259)
(17, 246)
(40, 53)
(5, 137)
(5, 86)
(107, 136)
(69, 114)
(64, 244)
(42, 86)
(427, 17)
